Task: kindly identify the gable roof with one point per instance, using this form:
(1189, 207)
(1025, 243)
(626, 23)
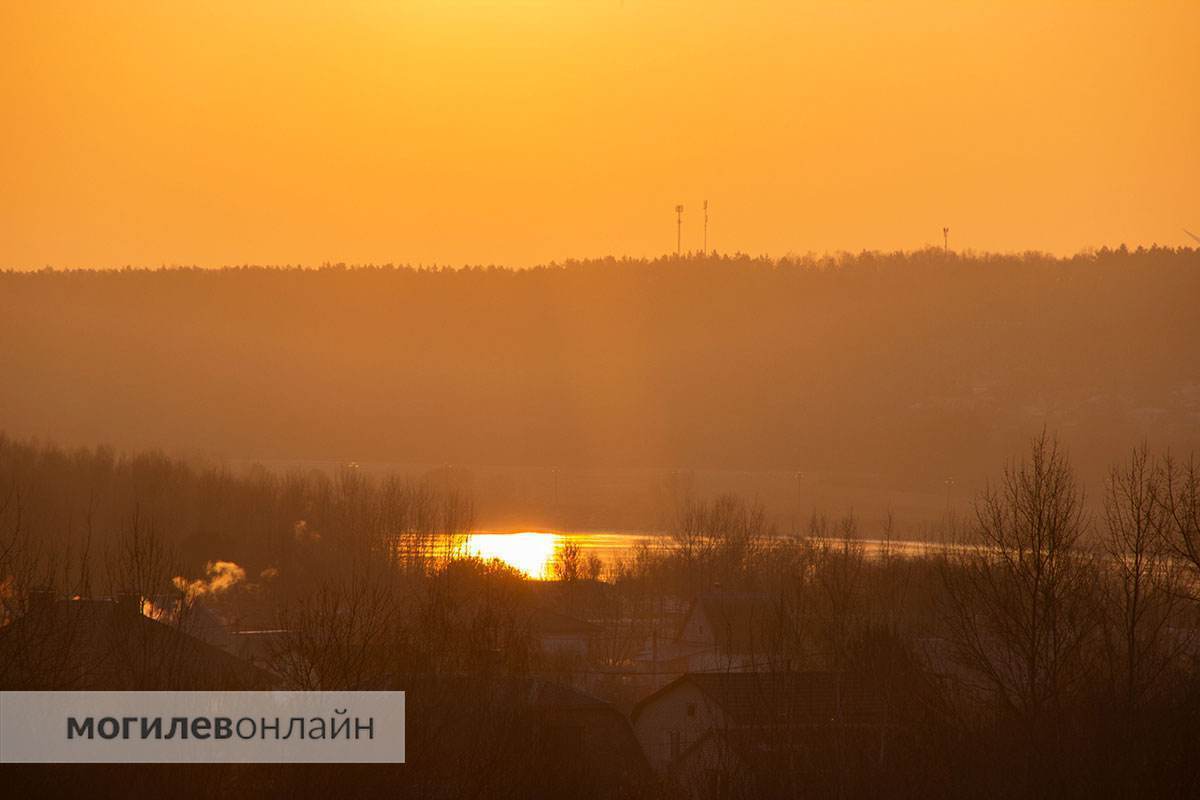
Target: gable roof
(545, 622)
(737, 618)
(103, 644)
(195, 618)
(541, 726)
(546, 694)
(751, 699)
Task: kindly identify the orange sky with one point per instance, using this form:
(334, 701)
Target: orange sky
(463, 131)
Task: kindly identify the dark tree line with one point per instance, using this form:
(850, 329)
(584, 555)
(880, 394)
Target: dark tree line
(702, 362)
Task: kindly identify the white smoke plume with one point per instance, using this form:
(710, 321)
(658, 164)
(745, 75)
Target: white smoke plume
(155, 612)
(220, 576)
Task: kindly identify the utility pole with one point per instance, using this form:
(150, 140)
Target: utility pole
(678, 229)
(706, 226)
(946, 241)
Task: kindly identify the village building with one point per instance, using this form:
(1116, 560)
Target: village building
(110, 644)
(551, 739)
(561, 635)
(719, 632)
(733, 734)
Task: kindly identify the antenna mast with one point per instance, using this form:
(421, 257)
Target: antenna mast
(678, 229)
(946, 241)
(706, 226)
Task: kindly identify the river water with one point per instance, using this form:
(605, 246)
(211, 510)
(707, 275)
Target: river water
(534, 552)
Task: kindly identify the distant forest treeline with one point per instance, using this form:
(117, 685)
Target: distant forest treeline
(912, 365)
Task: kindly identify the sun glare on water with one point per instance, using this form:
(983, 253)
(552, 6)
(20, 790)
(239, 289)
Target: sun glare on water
(531, 553)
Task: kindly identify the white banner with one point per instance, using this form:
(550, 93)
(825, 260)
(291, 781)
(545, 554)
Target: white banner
(202, 727)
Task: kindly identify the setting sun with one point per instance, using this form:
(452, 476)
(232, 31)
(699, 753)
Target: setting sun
(530, 552)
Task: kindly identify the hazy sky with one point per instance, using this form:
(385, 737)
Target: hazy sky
(464, 131)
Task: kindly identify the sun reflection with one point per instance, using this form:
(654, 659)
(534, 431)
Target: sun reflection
(531, 553)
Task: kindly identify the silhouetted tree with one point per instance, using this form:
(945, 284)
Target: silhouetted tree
(1144, 577)
(1019, 601)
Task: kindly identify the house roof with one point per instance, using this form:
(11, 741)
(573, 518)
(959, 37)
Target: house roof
(784, 698)
(103, 644)
(452, 688)
(546, 727)
(195, 618)
(737, 618)
(546, 694)
(670, 651)
(546, 622)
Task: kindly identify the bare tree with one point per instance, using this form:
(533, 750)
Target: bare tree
(1180, 497)
(344, 634)
(568, 563)
(1018, 604)
(1144, 576)
(717, 542)
(138, 561)
(15, 561)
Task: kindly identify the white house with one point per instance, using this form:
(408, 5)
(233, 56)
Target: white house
(715, 734)
(719, 632)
